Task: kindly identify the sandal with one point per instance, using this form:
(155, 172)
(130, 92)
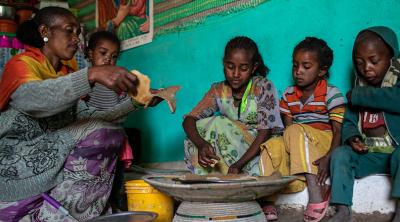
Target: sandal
(315, 212)
(270, 212)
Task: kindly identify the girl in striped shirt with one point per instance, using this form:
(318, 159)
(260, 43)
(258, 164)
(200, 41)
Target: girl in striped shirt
(312, 111)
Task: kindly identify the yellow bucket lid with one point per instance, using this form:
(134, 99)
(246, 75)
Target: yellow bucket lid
(139, 186)
(136, 183)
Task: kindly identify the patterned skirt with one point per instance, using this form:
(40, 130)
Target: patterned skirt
(88, 175)
(230, 140)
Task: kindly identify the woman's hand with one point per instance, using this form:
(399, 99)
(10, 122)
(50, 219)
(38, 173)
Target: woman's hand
(206, 155)
(235, 168)
(357, 145)
(323, 169)
(115, 78)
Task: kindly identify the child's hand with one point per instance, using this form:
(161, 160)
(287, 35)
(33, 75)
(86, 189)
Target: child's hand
(235, 168)
(323, 169)
(357, 145)
(206, 155)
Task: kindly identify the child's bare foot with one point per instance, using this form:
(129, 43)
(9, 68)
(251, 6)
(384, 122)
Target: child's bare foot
(314, 191)
(343, 214)
(270, 211)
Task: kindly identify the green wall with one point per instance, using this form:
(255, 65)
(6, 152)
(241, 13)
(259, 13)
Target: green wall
(193, 58)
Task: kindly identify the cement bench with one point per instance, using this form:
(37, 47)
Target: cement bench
(371, 194)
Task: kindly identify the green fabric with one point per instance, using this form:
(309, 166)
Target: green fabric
(129, 27)
(249, 113)
(389, 36)
(228, 140)
(346, 165)
(383, 98)
(379, 144)
(243, 103)
(381, 149)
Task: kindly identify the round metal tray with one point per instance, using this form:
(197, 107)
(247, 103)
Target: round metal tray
(236, 191)
(137, 216)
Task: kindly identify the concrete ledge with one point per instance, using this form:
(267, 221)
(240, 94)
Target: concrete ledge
(371, 194)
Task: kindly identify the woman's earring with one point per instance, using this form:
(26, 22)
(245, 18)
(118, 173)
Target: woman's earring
(45, 39)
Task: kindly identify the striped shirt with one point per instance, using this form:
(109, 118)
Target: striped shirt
(325, 105)
(103, 98)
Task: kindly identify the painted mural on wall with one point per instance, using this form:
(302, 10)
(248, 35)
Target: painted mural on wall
(178, 15)
(131, 20)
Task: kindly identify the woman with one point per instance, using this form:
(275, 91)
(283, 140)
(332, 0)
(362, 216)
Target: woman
(43, 117)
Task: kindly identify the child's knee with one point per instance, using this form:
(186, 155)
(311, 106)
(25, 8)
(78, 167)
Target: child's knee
(293, 129)
(272, 142)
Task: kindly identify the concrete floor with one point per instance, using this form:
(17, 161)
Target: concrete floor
(296, 215)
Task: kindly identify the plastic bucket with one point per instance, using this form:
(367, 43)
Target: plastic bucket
(143, 197)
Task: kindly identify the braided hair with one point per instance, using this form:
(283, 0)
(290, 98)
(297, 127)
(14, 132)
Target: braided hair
(243, 42)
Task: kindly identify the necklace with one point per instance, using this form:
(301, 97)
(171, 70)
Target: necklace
(237, 95)
(237, 98)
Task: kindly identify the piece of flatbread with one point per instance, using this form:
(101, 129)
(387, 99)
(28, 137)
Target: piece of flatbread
(144, 95)
(168, 94)
(215, 161)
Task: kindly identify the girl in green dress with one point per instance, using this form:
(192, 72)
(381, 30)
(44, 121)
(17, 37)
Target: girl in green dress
(224, 131)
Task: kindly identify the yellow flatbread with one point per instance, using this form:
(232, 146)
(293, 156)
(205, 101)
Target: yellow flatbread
(144, 95)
